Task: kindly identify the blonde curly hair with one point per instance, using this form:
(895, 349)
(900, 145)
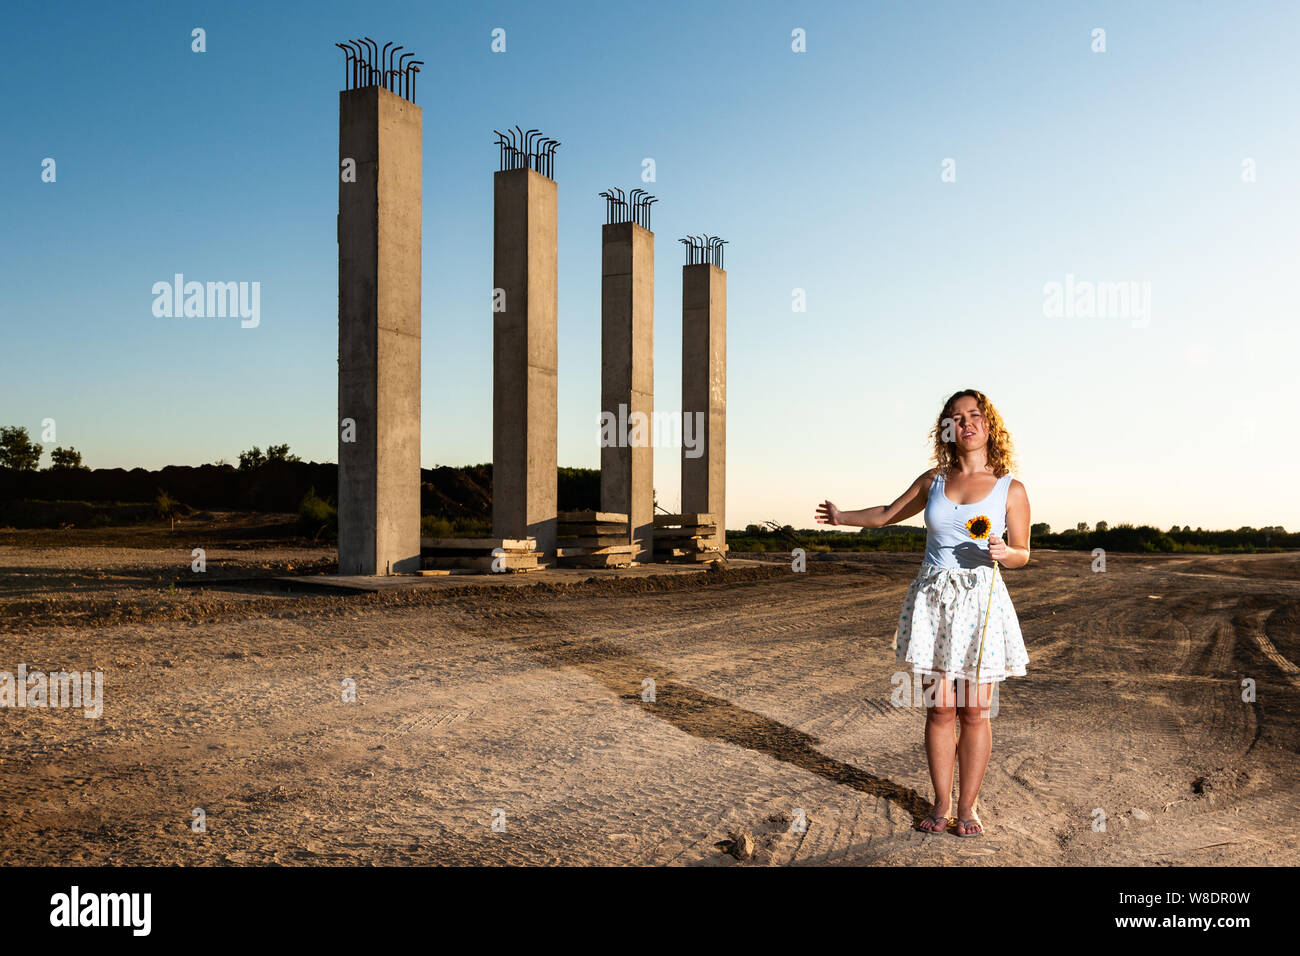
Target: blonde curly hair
(1001, 455)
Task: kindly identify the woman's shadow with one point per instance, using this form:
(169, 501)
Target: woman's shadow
(970, 555)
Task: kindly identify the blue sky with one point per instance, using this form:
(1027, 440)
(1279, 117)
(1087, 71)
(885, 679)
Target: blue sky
(822, 169)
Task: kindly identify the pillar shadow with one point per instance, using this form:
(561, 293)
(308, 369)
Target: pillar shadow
(692, 711)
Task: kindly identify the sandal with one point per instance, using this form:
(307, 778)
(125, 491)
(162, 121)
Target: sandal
(972, 827)
(941, 824)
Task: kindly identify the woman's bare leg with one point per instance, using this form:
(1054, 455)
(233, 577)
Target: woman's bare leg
(940, 739)
(973, 749)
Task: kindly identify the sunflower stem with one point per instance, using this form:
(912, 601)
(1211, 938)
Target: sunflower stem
(988, 607)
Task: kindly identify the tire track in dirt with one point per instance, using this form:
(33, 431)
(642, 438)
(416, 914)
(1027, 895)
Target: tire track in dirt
(1194, 715)
(1254, 626)
(1069, 781)
(700, 714)
(772, 697)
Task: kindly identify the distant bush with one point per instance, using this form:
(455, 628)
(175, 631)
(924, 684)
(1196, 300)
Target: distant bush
(256, 458)
(431, 526)
(318, 517)
(435, 527)
(28, 513)
(578, 489)
(783, 538)
(17, 450)
(66, 458)
(167, 507)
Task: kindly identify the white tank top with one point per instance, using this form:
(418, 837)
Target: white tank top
(948, 541)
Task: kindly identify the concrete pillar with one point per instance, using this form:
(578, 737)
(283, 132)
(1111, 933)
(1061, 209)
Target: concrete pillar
(704, 390)
(379, 333)
(524, 356)
(627, 377)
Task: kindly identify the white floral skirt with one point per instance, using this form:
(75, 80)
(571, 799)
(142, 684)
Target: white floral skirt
(943, 614)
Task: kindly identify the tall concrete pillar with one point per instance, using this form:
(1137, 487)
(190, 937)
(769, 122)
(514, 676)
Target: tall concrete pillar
(627, 312)
(704, 390)
(379, 332)
(524, 357)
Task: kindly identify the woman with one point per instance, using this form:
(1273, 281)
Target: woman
(943, 617)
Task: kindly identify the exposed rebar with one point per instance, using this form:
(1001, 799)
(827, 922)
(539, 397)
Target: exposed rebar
(365, 64)
(526, 149)
(634, 208)
(703, 249)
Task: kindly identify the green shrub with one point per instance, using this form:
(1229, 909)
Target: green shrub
(167, 507)
(434, 526)
(578, 489)
(256, 458)
(66, 458)
(30, 513)
(17, 451)
(318, 517)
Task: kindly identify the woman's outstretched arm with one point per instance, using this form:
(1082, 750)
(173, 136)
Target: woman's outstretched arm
(910, 502)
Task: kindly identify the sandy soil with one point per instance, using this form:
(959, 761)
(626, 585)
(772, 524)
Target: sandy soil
(772, 705)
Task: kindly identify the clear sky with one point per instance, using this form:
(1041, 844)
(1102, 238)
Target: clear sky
(824, 170)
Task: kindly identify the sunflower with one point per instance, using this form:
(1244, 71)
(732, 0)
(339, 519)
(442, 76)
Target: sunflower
(979, 526)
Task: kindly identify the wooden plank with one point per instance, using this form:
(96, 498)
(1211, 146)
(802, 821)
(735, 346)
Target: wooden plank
(578, 552)
(598, 561)
(601, 541)
(686, 553)
(573, 530)
(587, 517)
(485, 544)
(681, 534)
(473, 553)
(508, 563)
(668, 521)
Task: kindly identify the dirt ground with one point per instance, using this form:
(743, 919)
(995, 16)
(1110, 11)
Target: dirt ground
(523, 707)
